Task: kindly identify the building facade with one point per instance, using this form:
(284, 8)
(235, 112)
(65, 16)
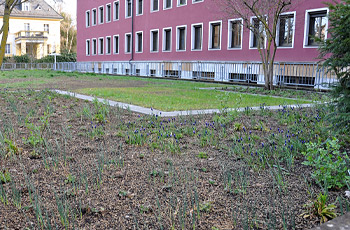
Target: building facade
(189, 31)
(34, 30)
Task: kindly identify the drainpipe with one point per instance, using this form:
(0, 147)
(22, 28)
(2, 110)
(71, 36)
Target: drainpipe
(132, 35)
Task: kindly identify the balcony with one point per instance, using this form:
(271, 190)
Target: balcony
(31, 36)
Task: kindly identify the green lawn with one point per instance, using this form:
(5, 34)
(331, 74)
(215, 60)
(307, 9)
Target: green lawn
(162, 94)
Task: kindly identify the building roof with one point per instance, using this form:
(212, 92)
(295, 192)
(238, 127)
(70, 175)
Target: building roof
(38, 9)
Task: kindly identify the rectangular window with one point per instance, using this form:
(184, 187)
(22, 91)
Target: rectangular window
(317, 25)
(195, 1)
(154, 40)
(25, 6)
(197, 37)
(127, 43)
(27, 29)
(116, 11)
(87, 18)
(108, 12)
(94, 17)
(167, 39)
(128, 8)
(181, 2)
(286, 30)
(7, 49)
(257, 35)
(101, 15)
(94, 46)
(139, 42)
(167, 4)
(100, 46)
(116, 44)
(108, 45)
(235, 34)
(87, 48)
(215, 35)
(47, 28)
(154, 5)
(139, 7)
(181, 38)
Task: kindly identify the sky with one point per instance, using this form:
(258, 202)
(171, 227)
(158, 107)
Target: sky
(69, 6)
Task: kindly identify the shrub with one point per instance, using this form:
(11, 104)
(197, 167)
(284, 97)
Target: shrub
(319, 208)
(22, 59)
(330, 166)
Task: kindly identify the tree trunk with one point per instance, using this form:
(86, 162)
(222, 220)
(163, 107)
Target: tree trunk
(5, 32)
(268, 76)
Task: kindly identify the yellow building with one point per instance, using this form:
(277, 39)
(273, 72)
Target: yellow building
(34, 29)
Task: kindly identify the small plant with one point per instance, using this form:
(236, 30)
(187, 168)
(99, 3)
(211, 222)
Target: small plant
(202, 155)
(5, 177)
(205, 207)
(70, 179)
(319, 208)
(12, 148)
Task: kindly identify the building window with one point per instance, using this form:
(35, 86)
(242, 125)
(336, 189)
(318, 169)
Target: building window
(87, 48)
(128, 8)
(197, 36)
(167, 4)
(215, 35)
(235, 34)
(154, 40)
(167, 39)
(181, 38)
(94, 46)
(101, 15)
(181, 2)
(108, 45)
(257, 35)
(108, 12)
(116, 11)
(87, 18)
(25, 6)
(116, 44)
(285, 30)
(94, 17)
(154, 5)
(100, 46)
(7, 49)
(317, 23)
(127, 43)
(196, 1)
(139, 42)
(139, 7)
(47, 28)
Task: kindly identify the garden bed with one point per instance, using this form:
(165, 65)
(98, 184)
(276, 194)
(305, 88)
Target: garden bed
(68, 163)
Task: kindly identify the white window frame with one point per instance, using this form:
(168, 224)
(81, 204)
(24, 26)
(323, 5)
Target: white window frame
(137, 8)
(92, 18)
(99, 15)
(307, 24)
(164, 4)
(178, 38)
(137, 42)
(126, 43)
(110, 45)
(114, 14)
(99, 46)
(126, 8)
(87, 19)
(94, 51)
(198, 1)
(114, 44)
(278, 31)
(164, 40)
(210, 35)
(86, 47)
(178, 3)
(151, 41)
(8, 45)
(152, 6)
(251, 36)
(229, 37)
(193, 34)
(110, 13)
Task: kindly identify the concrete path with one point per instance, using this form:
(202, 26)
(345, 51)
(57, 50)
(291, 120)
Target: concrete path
(340, 223)
(150, 111)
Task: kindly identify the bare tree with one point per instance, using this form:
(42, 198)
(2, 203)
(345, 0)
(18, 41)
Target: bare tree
(261, 17)
(68, 34)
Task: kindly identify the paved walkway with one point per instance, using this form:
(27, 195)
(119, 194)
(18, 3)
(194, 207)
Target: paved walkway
(149, 111)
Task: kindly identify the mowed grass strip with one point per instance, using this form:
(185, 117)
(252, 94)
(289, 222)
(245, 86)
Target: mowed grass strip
(172, 98)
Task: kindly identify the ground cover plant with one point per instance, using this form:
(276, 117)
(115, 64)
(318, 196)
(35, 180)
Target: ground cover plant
(166, 95)
(67, 163)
